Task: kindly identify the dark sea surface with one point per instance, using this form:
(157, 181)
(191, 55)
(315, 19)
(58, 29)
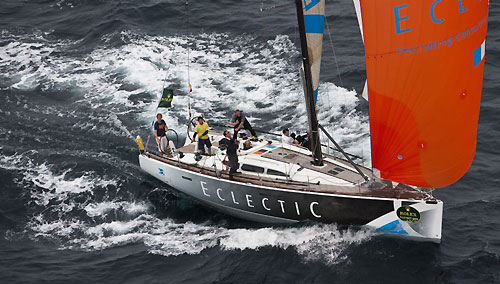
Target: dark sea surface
(79, 79)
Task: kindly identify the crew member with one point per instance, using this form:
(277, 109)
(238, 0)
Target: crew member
(247, 145)
(305, 140)
(231, 151)
(160, 130)
(238, 120)
(286, 139)
(201, 130)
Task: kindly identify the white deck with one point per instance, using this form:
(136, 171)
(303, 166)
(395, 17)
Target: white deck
(269, 156)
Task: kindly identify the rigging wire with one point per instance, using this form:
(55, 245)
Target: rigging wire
(334, 55)
(190, 88)
(335, 58)
(262, 8)
(336, 61)
(167, 73)
(274, 95)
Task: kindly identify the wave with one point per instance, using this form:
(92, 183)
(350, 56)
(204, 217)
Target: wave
(226, 72)
(68, 210)
(114, 89)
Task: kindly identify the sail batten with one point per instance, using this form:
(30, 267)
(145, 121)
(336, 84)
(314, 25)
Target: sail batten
(425, 64)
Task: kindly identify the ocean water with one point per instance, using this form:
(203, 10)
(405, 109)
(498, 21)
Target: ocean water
(81, 78)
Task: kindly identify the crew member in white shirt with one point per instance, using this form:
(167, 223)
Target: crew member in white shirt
(286, 139)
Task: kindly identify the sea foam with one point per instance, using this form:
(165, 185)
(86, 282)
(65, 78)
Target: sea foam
(259, 77)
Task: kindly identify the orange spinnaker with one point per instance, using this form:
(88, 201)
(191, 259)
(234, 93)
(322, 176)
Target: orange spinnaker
(425, 64)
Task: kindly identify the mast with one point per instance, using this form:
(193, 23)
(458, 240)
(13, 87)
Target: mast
(309, 94)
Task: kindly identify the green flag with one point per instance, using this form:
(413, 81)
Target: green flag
(166, 99)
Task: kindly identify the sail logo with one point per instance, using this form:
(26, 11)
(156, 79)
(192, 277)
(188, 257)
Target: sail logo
(479, 54)
(408, 214)
(449, 42)
(265, 203)
(311, 4)
(167, 98)
(403, 21)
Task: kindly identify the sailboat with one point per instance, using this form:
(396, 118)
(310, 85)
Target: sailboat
(424, 67)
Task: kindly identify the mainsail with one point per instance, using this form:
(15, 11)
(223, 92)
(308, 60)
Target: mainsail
(314, 16)
(425, 64)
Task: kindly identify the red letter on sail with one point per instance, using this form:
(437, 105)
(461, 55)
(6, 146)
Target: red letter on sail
(424, 87)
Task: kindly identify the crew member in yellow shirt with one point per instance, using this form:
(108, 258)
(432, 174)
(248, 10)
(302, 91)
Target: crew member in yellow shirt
(201, 130)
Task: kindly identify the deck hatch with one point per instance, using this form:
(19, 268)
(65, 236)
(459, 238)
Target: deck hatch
(252, 168)
(333, 172)
(291, 156)
(276, 173)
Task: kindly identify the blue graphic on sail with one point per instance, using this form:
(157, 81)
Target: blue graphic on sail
(314, 17)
